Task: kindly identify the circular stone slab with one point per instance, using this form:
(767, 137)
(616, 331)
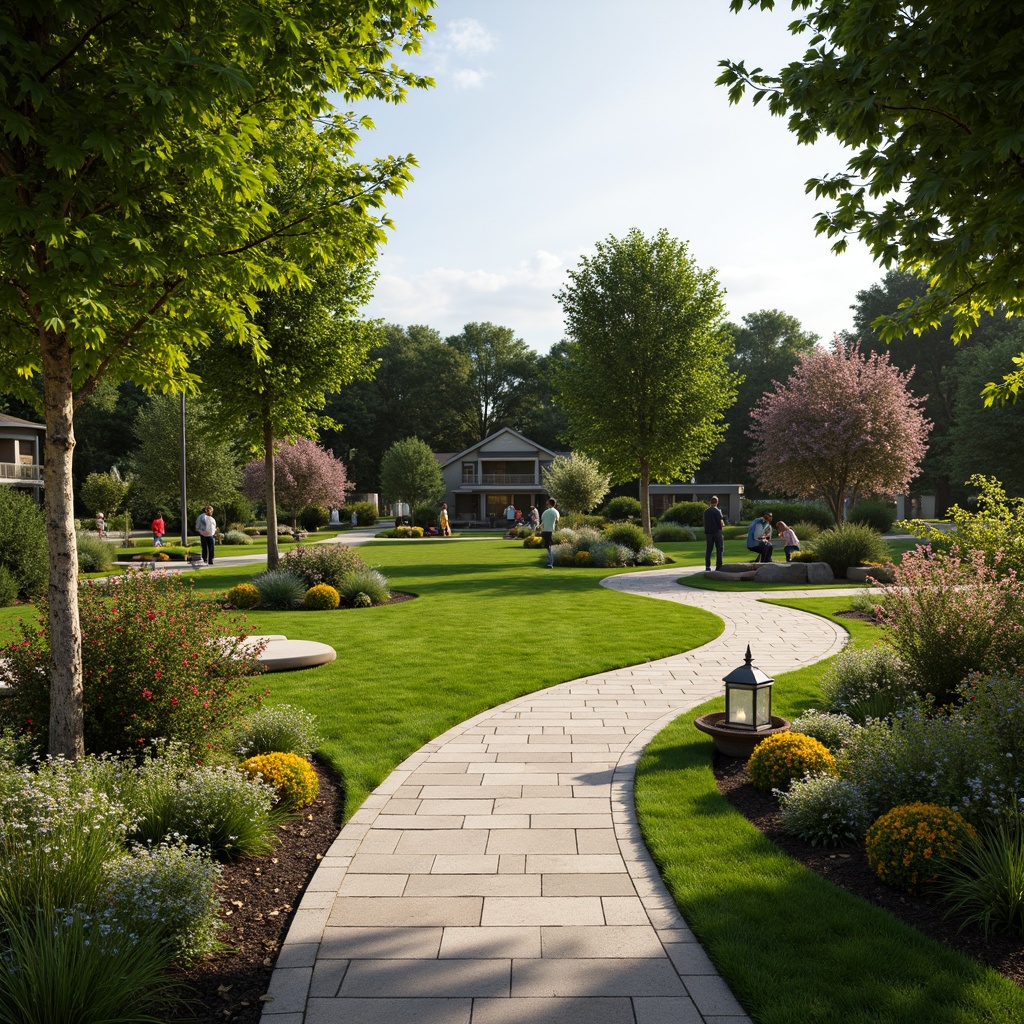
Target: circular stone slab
(283, 655)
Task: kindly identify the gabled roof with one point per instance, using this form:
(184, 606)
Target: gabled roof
(448, 459)
(13, 421)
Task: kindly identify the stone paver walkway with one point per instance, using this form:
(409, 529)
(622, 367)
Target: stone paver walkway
(498, 875)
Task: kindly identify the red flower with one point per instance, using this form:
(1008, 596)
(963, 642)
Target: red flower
(174, 702)
(151, 616)
(148, 694)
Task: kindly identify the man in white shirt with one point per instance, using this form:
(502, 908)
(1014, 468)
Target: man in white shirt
(548, 524)
(206, 527)
(510, 515)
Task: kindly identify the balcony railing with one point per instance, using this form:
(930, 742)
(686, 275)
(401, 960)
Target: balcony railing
(509, 479)
(14, 471)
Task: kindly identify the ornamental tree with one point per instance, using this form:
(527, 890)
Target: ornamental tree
(644, 381)
(140, 148)
(844, 424)
(926, 96)
(409, 473)
(576, 484)
(306, 474)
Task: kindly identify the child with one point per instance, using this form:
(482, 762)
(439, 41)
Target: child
(789, 540)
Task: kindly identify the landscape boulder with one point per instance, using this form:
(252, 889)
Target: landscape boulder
(781, 572)
(819, 572)
(729, 577)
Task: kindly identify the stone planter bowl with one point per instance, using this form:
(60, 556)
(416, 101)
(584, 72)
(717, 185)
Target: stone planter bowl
(736, 742)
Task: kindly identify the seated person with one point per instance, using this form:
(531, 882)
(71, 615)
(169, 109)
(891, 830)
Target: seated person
(759, 538)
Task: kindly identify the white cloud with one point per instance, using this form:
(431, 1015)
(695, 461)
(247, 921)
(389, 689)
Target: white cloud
(467, 36)
(447, 51)
(469, 78)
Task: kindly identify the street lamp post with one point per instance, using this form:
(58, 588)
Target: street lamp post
(184, 496)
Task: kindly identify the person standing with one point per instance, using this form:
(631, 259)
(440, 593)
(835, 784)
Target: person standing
(446, 530)
(534, 518)
(759, 537)
(789, 540)
(548, 524)
(510, 515)
(714, 523)
(206, 527)
(101, 525)
(159, 528)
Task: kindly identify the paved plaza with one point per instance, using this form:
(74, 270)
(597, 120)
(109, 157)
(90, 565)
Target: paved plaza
(498, 875)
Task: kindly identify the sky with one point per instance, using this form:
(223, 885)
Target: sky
(556, 123)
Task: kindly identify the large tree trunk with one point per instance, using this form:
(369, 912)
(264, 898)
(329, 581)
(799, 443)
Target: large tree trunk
(66, 723)
(645, 496)
(268, 462)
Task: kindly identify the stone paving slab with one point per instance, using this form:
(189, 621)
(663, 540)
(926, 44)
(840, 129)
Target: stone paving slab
(498, 876)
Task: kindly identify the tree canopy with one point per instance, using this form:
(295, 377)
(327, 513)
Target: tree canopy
(645, 379)
(844, 424)
(928, 98)
(576, 484)
(409, 473)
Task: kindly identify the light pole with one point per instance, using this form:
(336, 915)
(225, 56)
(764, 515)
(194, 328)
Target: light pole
(184, 496)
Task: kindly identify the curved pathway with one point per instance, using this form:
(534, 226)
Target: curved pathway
(498, 875)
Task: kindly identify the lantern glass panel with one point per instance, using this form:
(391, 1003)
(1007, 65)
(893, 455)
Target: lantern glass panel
(740, 705)
(764, 706)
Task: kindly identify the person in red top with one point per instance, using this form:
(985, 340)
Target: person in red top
(159, 528)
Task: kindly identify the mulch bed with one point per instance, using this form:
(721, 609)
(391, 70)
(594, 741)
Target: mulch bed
(847, 867)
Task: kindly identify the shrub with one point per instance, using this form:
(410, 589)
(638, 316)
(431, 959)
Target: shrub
(535, 540)
(322, 598)
(578, 521)
(848, 545)
(985, 886)
(805, 531)
(607, 555)
(236, 537)
(521, 532)
(313, 517)
(651, 556)
(906, 845)
(155, 662)
(824, 809)
(365, 581)
(221, 810)
(684, 513)
(252, 531)
(94, 555)
(665, 533)
(322, 563)
(362, 600)
(280, 589)
(779, 759)
(622, 508)
(8, 587)
(425, 516)
(282, 728)
(948, 616)
(627, 534)
(366, 513)
(235, 508)
(867, 683)
(832, 730)
(992, 708)
(292, 777)
(244, 595)
(406, 532)
(563, 535)
(874, 512)
(562, 554)
(169, 890)
(583, 558)
(790, 511)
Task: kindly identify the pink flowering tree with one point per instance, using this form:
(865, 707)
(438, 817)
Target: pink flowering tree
(304, 474)
(844, 424)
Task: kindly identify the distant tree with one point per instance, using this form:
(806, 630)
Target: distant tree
(306, 475)
(645, 380)
(502, 381)
(104, 492)
(844, 424)
(767, 348)
(927, 98)
(410, 474)
(576, 484)
(210, 472)
(103, 428)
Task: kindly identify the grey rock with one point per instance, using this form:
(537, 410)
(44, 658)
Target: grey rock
(729, 577)
(782, 572)
(819, 572)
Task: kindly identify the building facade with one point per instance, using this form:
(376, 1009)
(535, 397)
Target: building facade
(21, 455)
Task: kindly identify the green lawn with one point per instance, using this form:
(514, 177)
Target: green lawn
(790, 945)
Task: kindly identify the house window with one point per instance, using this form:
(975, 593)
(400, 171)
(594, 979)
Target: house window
(469, 472)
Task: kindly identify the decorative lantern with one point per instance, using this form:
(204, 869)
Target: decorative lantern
(748, 698)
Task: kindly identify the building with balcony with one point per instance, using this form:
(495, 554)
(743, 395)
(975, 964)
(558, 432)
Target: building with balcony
(21, 455)
(503, 469)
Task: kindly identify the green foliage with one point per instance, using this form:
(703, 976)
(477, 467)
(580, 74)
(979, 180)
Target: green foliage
(651, 556)
(906, 846)
(94, 555)
(364, 581)
(849, 545)
(236, 537)
(291, 776)
(993, 708)
(685, 513)
(426, 515)
(621, 508)
(804, 530)
(8, 587)
(321, 598)
(104, 492)
(156, 663)
(236, 510)
(785, 756)
(281, 727)
(244, 595)
(322, 563)
(873, 512)
(409, 473)
(791, 512)
(824, 809)
(366, 513)
(362, 600)
(628, 534)
(577, 484)
(533, 541)
(23, 547)
(665, 533)
(313, 517)
(828, 728)
(985, 885)
(867, 683)
(280, 589)
(579, 521)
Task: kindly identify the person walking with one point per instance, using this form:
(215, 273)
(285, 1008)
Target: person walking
(534, 518)
(206, 527)
(510, 515)
(788, 539)
(446, 530)
(548, 523)
(101, 525)
(714, 523)
(159, 528)
(759, 537)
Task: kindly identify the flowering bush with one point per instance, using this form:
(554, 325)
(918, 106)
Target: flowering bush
(778, 760)
(992, 708)
(362, 600)
(280, 728)
(869, 683)
(950, 614)
(236, 537)
(906, 845)
(244, 595)
(322, 598)
(824, 809)
(535, 540)
(155, 663)
(651, 556)
(830, 729)
(292, 777)
(582, 558)
(322, 563)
